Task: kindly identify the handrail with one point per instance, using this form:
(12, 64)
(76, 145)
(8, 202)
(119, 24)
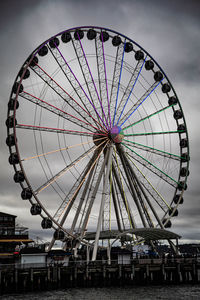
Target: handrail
(81, 263)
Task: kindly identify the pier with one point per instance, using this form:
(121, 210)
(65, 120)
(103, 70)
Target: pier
(142, 271)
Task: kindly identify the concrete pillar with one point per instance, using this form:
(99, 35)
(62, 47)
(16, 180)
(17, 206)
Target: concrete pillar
(87, 272)
(120, 271)
(147, 270)
(178, 269)
(133, 272)
(16, 280)
(75, 275)
(59, 277)
(31, 278)
(0, 282)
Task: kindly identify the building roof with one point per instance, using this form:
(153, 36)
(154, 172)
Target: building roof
(2, 214)
(31, 250)
(145, 233)
(16, 240)
(155, 234)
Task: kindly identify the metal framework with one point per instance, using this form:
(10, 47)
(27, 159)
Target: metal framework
(98, 140)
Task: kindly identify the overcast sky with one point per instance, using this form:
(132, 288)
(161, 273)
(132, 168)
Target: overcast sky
(168, 30)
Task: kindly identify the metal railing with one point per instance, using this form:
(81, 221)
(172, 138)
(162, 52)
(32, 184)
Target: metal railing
(99, 263)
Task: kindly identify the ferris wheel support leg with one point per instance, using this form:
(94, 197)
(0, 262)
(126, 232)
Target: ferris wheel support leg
(82, 200)
(138, 188)
(126, 204)
(94, 254)
(108, 253)
(83, 228)
(145, 196)
(51, 244)
(73, 199)
(88, 253)
(116, 209)
(174, 247)
(79, 209)
(124, 163)
(78, 189)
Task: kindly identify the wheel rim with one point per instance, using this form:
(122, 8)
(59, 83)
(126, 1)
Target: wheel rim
(96, 96)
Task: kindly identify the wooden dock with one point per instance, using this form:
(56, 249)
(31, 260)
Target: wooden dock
(23, 278)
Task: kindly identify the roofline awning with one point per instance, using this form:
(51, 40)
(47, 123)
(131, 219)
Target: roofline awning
(16, 240)
(145, 233)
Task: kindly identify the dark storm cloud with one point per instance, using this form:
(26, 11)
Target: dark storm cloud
(169, 30)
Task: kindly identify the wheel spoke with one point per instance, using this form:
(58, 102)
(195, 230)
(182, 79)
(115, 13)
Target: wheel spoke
(142, 194)
(154, 193)
(61, 149)
(73, 80)
(57, 130)
(149, 116)
(102, 74)
(120, 75)
(116, 75)
(139, 102)
(152, 150)
(59, 112)
(155, 133)
(61, 92)
(91, 77)
(68, 202)
(129, 89)
(65, 169)
(150, 166)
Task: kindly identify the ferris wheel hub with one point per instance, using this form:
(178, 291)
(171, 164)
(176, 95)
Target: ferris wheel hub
(116, 134)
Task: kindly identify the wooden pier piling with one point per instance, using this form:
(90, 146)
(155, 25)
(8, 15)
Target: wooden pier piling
(83, 274)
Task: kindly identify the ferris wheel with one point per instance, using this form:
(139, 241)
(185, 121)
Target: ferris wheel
(97, 137)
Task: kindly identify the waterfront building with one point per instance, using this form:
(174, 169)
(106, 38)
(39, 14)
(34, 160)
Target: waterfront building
(30, 256)
(12, 237)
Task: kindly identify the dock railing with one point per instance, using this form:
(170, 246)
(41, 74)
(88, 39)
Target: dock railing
(99, 263)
